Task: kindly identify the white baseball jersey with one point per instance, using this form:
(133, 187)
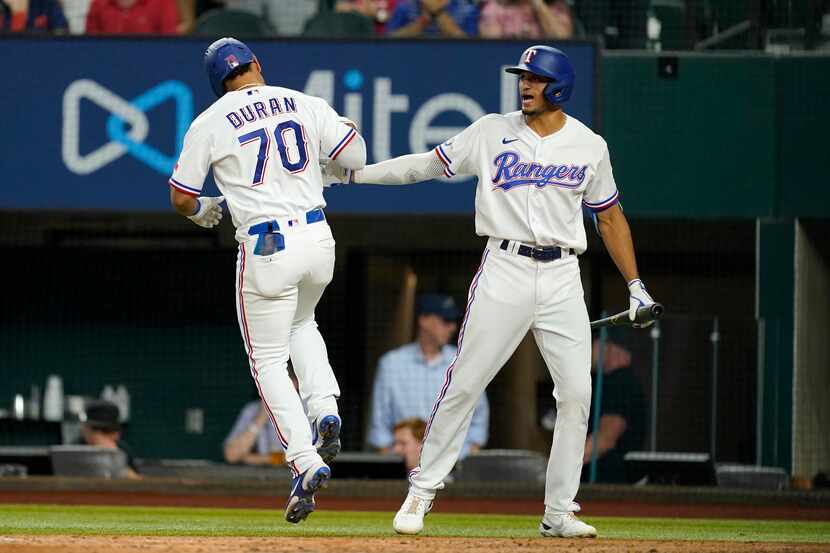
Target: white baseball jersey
(264, 144)
(530, 188)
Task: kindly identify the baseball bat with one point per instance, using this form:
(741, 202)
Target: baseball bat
(647, 314)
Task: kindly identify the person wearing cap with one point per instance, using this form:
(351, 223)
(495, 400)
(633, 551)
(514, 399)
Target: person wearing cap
(408, 379)
(102, 428)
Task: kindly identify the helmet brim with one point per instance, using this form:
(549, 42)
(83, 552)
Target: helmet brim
(517, 69)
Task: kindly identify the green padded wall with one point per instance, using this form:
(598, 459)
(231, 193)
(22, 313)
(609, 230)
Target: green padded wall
(694, 145)
(803, 86)
(729, 136)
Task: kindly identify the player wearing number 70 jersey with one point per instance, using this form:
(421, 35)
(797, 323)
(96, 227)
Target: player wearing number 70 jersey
(264, 145)
(536, 168)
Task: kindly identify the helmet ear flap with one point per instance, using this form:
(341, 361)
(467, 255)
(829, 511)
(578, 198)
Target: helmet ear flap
(550, 93)
(556, 93)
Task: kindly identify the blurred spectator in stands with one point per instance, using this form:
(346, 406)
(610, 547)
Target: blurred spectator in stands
(132, 17)
(378, 11)
(76, 11)
(620, 24)
(409, 378)
(526, 19)
(345, 19)
(433, 18)
(409, 435)
(187, 16)
(32, 16)
(103, 429)
(622, 424)
(287, 17)
(253, 438)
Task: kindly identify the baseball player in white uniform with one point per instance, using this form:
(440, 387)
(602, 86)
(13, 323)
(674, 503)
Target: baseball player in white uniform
(536, 168)
(264, 144)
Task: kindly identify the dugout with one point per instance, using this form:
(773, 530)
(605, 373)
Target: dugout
(148, 301)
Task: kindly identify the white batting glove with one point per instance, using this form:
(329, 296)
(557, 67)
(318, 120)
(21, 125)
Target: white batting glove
(334, 174)
(208, 212)
(638, 298)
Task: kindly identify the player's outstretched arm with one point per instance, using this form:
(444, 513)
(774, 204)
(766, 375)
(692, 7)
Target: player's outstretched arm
(401, 170)
(616, 235)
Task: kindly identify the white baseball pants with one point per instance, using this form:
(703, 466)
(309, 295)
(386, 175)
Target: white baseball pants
(509, 295)
(275, 300)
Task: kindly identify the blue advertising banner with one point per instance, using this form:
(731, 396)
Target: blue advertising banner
(98, 123)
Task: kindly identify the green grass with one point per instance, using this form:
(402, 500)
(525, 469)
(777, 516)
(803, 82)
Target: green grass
(166, 521)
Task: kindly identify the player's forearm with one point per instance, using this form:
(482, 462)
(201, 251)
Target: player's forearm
(401, 170)
(183, 204)
(616, 235)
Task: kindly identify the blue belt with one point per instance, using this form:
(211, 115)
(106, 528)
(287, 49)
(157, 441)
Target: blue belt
(313, 216)
(541, 253)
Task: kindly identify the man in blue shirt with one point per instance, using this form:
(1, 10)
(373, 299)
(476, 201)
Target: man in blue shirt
(32, 16)
(433, 18)
(409, 378)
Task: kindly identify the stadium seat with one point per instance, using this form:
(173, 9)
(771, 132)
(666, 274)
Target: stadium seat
(237, 23)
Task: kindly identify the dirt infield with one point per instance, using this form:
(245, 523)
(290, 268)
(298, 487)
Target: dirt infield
(443, 505)
(73, 544)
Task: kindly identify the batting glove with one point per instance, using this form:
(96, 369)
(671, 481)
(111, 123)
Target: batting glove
(638, 298)
(334, 174)
(208, 211)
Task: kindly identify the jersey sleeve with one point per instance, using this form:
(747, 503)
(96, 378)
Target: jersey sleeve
(335, 136)
(194, 162)
(459, 154)
(601, 192)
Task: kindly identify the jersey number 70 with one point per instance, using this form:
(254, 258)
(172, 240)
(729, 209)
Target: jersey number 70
(294, 159)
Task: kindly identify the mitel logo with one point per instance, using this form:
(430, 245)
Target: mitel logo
(387, 109)
(123, 113)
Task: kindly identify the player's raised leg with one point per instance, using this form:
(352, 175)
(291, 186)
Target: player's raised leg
(266, 306)
(309, 356)
(498, 315)
(562, 332)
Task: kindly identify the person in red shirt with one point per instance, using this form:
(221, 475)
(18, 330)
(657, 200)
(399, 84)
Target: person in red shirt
(132, 17)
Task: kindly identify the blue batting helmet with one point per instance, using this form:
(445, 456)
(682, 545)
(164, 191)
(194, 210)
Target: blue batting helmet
(553, 64)
(222, 57)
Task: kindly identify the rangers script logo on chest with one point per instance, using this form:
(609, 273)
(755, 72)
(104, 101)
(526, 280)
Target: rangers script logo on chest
(512, 172)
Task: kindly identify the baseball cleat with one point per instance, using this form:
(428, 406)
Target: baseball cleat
(301, 500)
(410, 517)
(328, 430)
(565, 525)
